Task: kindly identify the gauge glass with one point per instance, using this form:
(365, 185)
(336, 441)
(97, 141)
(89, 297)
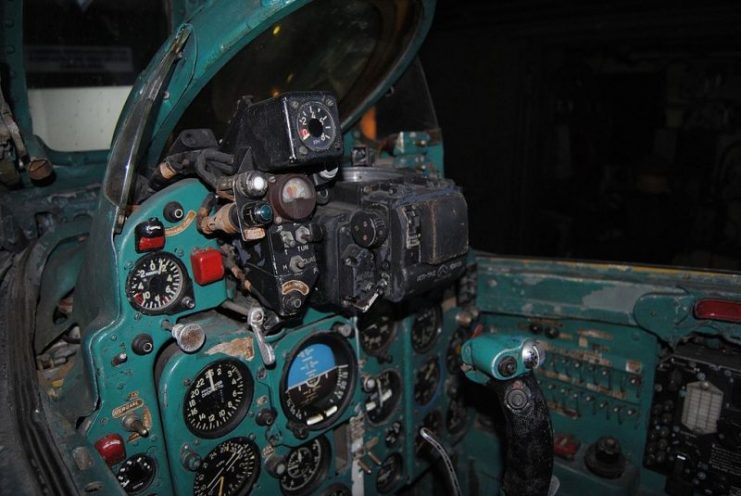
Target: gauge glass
(453, 359)
(218, 398)
(377, 328)
(425, 328)
(433, 421)
(292, 196)
(156, 283)
(455, 418)
(305, 467)
(337, 490)
(136, 473)
(316, 127)
(230, 469)
(425, 381)
(389, 473)
(393, 433)
(319, 380)
(296, 188)
(383, 399)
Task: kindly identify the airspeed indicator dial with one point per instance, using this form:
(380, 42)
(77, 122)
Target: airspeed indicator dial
(156, 283)
(316, 127)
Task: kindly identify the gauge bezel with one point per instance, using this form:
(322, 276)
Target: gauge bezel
(449, 351)
(242, 410)
(397, 398)
(175, 304)
(455, 432)
(438, 381)
(399, 475)
(250, 482)
(309, 141)
(335, 342)
(150, 459)
(438, 328)
(320, 473)
(375, 313)
(420, 445)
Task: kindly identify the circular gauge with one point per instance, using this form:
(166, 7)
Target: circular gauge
(425, 328)
(319, 381)
(377, 328)
(218, 398)
(393, 433)
(425, 381)
(384, 397)
(136, 473)
(156, 283)
(433, 421)
(316, 127)
(389, 473)
(293, 196)
(337, 490)
(305, 467)
(229, 469)
(453, 359)
(457, 415)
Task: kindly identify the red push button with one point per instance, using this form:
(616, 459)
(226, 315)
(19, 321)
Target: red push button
(208, 265)
(111, 449)
(150, 235)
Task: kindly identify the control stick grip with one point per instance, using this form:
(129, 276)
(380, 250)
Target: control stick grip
(528, 464)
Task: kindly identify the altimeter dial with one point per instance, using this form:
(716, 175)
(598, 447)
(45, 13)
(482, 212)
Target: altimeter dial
(218, 398)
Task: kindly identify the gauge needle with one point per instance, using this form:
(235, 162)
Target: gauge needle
(210, 375)
(221, 486)
(227, 466)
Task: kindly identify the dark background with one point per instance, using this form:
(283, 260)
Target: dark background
(595, 130)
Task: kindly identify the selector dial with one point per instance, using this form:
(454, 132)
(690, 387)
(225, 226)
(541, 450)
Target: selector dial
(368, 228)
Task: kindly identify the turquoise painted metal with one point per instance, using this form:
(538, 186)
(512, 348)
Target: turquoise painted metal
(483, 356)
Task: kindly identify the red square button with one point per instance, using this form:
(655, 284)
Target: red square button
(208, 265)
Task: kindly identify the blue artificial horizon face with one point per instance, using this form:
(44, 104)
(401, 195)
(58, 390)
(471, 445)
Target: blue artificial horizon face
(311, 362)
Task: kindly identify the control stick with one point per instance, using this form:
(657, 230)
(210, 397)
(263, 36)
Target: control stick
(504, 364)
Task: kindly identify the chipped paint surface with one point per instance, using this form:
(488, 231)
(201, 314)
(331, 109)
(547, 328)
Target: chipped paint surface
(238, 348)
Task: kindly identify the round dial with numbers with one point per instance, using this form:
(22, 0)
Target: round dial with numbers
(425, 328)
(425, 381)
(218, 398)
(377, 328)
(230, 469)
(136, 473)
(389, 473)
(384, 397)
(305, 467)
(316, 127)
(156, 283)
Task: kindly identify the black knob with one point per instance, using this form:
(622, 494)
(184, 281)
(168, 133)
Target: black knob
(265, 417)
(368, 228)
(605, 458)
(173, 212)
(142, 344)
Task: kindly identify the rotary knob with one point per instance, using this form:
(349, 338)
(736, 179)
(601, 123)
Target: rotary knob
(368, 228)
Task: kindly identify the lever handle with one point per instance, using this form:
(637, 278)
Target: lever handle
(528, 462)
